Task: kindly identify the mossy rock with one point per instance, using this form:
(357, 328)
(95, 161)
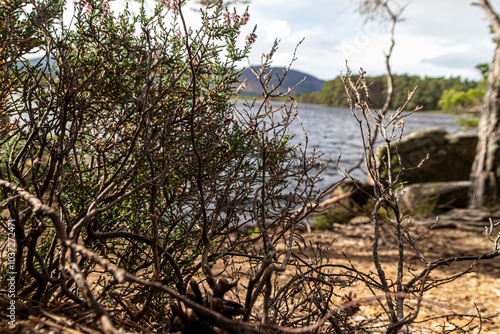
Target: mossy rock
(431, 198)
(360, 192)
(450, 156)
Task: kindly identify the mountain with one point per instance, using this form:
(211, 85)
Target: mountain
(311, 84)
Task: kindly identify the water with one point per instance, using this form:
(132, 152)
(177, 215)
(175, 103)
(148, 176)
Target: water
(334, 132)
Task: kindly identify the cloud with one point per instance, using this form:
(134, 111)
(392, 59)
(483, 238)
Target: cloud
(274, 29)
(455, 60)
(437, 38)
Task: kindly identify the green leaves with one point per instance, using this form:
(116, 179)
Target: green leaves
(108, 110)
(127, 128)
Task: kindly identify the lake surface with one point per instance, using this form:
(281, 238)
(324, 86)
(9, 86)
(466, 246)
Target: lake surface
(334, 132)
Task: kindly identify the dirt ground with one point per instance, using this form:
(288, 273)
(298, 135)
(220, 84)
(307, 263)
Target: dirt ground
(477, 292)
(476, 295)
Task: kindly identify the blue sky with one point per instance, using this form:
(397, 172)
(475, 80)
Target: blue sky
(437, 37)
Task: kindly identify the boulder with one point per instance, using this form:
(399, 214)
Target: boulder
(350, 190)
(439, 184)
(432, 197)
(450, 156)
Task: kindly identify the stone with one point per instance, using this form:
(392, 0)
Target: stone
(450, 156)
(358, 192)
(360, 220)
(432, 197)
(439, 184)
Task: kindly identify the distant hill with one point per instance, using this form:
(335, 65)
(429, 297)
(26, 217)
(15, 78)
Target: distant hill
(311, 84)
(293, 77)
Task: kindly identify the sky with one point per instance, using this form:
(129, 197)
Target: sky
(437, 37)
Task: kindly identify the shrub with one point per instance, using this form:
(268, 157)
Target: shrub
(129, 174)
(132, 187)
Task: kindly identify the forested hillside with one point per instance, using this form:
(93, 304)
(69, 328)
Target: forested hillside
(427, 95)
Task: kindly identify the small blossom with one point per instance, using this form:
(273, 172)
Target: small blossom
(242, 87)
(106, 9)
(178, 33)
(244, 19)
(235, 17)
(251, 38)
(173, 5)
(88, 8)
(157, 52)
(227, 19)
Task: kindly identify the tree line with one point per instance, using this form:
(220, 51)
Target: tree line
(432, 93)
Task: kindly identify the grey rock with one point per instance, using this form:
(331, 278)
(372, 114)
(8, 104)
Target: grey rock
(358, 192)
(431, 197)
(450, 156)
(360, 220)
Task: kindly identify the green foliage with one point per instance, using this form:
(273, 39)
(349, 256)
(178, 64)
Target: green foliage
(427, 95)
(467, 123)
(459, 101)
(127, 128)
(484, 68)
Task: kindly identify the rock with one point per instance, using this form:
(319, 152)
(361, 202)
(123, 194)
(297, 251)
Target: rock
(360, 220)
(450, 156)
(431, 197)
(357, 192)
(440, 183)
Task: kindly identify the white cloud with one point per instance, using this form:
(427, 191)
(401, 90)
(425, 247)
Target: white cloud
(274, 29)
(431, 40)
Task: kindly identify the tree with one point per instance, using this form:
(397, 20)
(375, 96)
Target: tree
(485, 174)
(463, 99)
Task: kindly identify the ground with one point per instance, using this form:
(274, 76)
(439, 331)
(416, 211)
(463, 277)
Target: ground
(476, 291)
(473, 294)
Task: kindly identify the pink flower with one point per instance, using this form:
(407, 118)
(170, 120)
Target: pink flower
(235, 17)
(107, 10)
(173, 5)
(251, 38)
(88, 8)
(227, 19)
(242, 87)
(245, 18)
(157, 52)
